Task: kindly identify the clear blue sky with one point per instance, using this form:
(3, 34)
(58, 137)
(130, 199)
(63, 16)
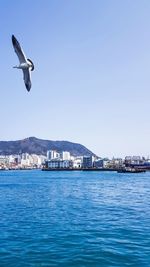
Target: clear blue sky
(91, 82)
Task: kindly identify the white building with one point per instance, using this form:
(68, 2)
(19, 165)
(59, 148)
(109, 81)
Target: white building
(77, 162)
(52, 154)
(4, 160)
(65, 155)
(25, 163)
(25, 156)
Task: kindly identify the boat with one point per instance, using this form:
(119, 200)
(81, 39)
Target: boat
(131, 170)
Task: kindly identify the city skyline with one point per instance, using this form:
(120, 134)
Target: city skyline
(91, 83)
(64, 160)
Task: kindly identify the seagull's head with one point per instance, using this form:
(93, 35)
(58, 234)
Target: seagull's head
(31, 64)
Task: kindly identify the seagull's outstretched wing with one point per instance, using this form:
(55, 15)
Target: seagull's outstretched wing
(18, 50)
(27, 78)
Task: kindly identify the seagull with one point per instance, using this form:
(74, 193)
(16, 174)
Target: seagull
(26, 65)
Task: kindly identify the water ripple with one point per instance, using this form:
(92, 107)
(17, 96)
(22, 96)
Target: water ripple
(74, 219)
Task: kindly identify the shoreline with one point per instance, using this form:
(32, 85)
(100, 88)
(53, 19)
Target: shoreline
(70, 169)
(81, 169)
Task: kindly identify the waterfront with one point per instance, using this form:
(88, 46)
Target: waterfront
(98, 219)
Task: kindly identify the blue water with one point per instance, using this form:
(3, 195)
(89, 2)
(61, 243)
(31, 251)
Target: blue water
(91, 219)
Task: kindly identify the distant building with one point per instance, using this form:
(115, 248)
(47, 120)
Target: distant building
(99, 163)
(77, 162)
(134, 160)
(4, 161)
(58, 163)
(25, 156)
(52, 154)
(65, 164)
(87, 162)
(65, 155)
(106, 163)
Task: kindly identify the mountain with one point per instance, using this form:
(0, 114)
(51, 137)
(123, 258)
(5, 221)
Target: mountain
(33, 145)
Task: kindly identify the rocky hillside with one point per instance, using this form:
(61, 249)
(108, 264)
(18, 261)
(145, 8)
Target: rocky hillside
(38, 146)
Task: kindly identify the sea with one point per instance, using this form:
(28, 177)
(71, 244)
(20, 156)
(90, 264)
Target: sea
(74, 218)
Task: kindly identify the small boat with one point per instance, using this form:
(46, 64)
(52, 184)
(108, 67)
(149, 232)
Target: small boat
(131, 170)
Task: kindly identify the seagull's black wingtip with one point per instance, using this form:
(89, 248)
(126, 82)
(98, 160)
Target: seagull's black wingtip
(13, 40)
(28, 87)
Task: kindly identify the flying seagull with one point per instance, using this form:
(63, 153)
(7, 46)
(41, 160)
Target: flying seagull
(26, 65)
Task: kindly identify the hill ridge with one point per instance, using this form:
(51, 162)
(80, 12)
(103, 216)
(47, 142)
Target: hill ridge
(34, 145)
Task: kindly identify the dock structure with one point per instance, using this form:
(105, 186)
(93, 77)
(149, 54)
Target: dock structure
(79, 169)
